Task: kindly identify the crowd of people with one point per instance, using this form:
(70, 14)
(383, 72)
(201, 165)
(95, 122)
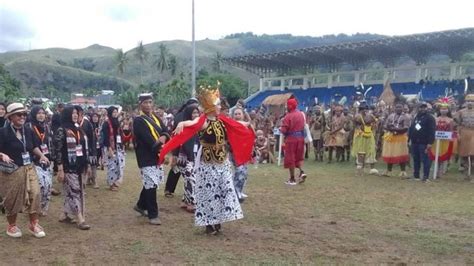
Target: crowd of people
(394, 133)
(211, 145)
(72, 144)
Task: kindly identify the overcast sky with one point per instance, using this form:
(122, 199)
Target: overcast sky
(35, 24)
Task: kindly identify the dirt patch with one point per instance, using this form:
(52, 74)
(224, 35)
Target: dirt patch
(332, 218)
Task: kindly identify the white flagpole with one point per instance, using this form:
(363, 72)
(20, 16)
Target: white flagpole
(193, 71)
(435, 173)
(469, 169)
(280, 144)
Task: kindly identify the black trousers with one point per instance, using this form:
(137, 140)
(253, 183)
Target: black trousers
(172, 181)
(147, 201)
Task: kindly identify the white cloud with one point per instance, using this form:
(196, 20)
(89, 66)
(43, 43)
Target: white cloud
(121, 24)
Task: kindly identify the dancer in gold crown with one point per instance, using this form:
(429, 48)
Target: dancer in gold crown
(216, 199)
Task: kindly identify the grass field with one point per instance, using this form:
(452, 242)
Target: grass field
(334, 217)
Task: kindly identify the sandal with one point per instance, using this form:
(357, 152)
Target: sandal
(169, 194)
(114, 188)
(83, 226)
(190, 208)
(210, 230)
(66, 220)
(302, 178)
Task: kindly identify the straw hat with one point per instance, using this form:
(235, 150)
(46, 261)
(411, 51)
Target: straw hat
(15, 108)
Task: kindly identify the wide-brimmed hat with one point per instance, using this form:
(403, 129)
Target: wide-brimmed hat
(15, 108)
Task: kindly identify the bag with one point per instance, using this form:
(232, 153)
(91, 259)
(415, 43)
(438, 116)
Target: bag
(8, 168)
(307, 133)
(307, 138)
(366, 130)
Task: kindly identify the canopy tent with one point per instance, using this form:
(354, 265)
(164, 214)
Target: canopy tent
(278, 99)
(276, 103)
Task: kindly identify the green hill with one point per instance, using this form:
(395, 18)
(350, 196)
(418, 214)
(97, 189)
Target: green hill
(95, 67)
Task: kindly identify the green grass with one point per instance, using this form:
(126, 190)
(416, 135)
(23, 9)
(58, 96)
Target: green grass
(334, 217)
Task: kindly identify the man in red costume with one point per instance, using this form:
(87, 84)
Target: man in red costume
(292, 127)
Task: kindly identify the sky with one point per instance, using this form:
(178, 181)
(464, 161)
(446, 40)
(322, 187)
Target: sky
(37, 24)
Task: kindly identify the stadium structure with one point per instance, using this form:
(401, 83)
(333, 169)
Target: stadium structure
(427, 65)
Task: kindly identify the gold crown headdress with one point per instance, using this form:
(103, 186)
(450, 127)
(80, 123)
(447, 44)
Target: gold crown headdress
(209, 97)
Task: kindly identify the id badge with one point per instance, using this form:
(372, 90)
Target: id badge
(79, 152)
(195, 149)
(26, 158)
(97, 145)
(119, 139)
(417, 126)
(44, 149)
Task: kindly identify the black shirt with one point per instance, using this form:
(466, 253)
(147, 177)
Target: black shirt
(106, 135)
(55, 121)
(88, 129)
(13, 147)
(422, 129)
(146, 147)
(71, 162)
(42, 137)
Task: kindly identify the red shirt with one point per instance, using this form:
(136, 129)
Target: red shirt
(293, 122)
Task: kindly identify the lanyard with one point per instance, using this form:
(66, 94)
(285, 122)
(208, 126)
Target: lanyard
(77, 137)
(23, 138)
(40, 135)
(398, 120)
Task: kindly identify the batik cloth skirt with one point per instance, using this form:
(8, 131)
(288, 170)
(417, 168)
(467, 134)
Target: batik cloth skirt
(73, 191)
(45, 180)
(152, 176)
(364, 144)
(216, 200)
(20, 191)
(395, 148)
(115, 166)
(187, 171)
(240, 178)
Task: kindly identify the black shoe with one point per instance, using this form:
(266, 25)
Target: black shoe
(140, 211)
(218, 227)
(210, 230)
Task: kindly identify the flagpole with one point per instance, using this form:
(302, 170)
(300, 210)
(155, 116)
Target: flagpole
(193, 70)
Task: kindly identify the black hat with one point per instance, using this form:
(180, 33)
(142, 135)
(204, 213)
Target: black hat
(145, 96)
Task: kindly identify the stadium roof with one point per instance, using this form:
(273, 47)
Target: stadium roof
(453, 43)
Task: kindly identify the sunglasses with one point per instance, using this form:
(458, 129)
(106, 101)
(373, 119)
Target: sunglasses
(21, 115)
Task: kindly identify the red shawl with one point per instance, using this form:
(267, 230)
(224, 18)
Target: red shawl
(241, 139)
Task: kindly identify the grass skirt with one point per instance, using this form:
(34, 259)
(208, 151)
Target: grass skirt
(362, 144)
